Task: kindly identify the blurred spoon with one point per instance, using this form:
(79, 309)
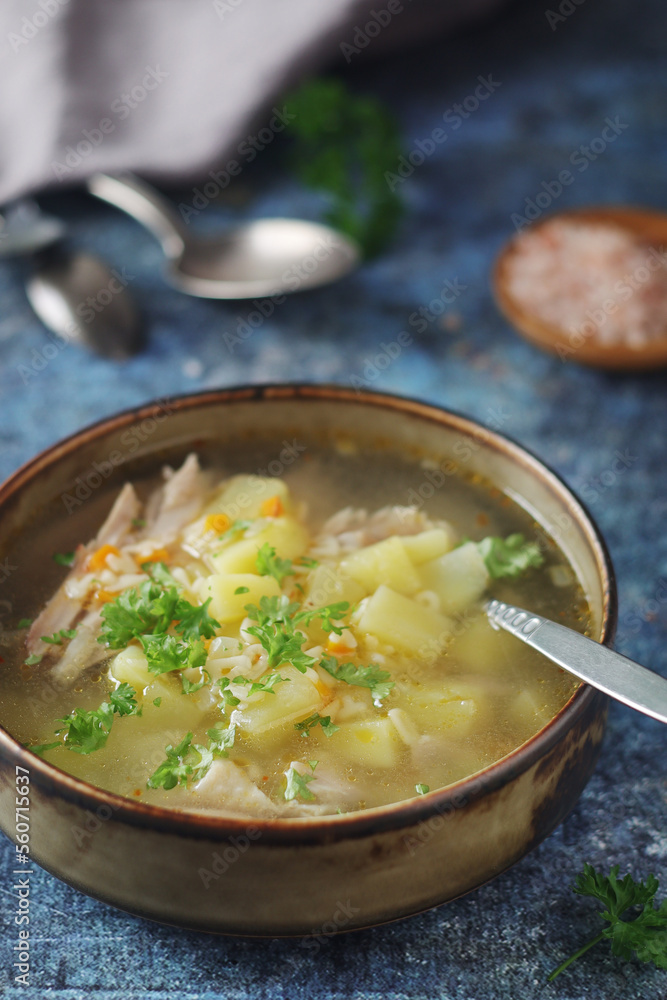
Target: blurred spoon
(80, 299)
(616, 675)
(259, 258)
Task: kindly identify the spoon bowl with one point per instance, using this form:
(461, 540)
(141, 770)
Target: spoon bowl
(259, 258)
(79, 298)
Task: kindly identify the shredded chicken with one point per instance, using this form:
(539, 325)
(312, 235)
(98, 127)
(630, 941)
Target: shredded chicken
(225, 786)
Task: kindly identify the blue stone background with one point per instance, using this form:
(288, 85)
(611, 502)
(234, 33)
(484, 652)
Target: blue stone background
(557, 88)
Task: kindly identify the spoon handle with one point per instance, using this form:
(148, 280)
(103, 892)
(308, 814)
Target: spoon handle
(616, 675)
(144, 204)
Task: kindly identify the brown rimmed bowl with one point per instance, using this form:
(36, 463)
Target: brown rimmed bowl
(303, 876)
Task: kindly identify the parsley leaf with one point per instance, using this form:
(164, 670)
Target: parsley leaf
(191, 687)
(235, 528)
(173, 770)
(347, 146)
(64, 558)
(328, 615)
(645, 935)
(228, 699)
(58, 637)
(33, 659)
(242, 590)
(297, 785)
(372, 676)
(422, 789)
(194, 620)
(124, 700)
(180, 764)
(265, 683)
(24, 623)
(509, 557)
(149, 609)
(85, 731)
(269, 564)
(328, 728)
(167, 652)
(159, 572)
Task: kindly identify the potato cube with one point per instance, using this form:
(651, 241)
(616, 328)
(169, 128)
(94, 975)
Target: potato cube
(228, 606)
(284, 534)
(242, 497)
(371, 743)
(328, 586)
(458, 578)
(385, 562)
(402, 622)
(293, 700)
(428, 545)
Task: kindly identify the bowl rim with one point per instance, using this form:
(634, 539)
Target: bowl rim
(405, 813)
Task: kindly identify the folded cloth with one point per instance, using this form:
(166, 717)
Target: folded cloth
(173, 88)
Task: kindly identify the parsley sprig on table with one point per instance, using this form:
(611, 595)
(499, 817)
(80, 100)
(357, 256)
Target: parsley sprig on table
(645, 935)
(84, 731)
(344, 143)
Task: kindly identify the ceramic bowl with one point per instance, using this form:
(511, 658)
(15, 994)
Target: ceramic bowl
(320, 875)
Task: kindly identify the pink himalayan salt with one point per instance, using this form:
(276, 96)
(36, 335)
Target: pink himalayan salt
(593, 278)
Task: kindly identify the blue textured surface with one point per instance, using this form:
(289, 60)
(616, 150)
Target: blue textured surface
(557, 88)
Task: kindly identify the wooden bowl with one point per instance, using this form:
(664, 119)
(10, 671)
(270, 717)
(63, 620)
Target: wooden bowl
(650, 227)
(288, 877)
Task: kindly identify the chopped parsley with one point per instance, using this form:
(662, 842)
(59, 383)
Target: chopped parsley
(264, 684)
(645, 935)
(191, 687)
(510, 556)
(297, 784)
(64, 558)
(84, 731)
(269, 564)
(24, 623)
(372, 676)
(150, 610)
(328, 728)
(228, 699)
(191, 761)
(33, 659)
(237, 527)
(165, 653)
(422, 789)
(58, 637)
(241, 590)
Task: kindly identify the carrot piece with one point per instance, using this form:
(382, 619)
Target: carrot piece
(272, 507)
(104, 596)
(98, 560)
(217, 523)
(157, 555)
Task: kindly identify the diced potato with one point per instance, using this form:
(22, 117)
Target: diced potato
(130, 666)
(428, 545)
(436, 708)
(530, 710)
(458, 578)
(228, 606)
(385, 562)
(480, 648)
(295, 699)
(289, 538)
(405, 624)
(371, 743)
(328, 586)
(243, 496)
